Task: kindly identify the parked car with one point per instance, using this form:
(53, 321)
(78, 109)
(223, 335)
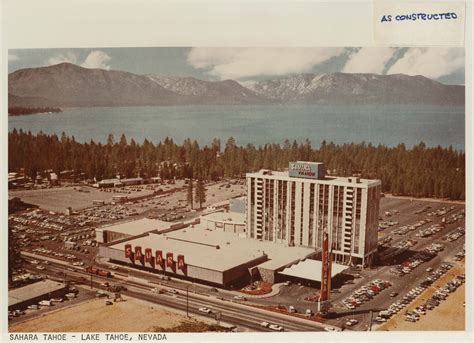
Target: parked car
(352, 322)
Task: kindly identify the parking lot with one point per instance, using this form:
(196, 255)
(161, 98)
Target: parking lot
(416, 258)
(71, 237)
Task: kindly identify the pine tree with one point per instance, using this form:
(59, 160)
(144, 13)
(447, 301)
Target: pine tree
(190, 193)
(200, 192)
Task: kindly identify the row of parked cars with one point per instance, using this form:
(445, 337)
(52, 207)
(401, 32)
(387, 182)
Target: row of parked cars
(365, 293)
(48, 252)
(412, 294)
(459, 256)
(398, 305)
(404, 229)
(459, 232)
(420, 257)
(440, 295)
(423, 233)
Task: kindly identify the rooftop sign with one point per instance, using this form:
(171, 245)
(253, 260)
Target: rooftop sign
(307, 170)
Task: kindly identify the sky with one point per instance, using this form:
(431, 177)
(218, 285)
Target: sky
(248, 65)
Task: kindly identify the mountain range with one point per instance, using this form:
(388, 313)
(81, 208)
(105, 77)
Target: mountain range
(69, 85)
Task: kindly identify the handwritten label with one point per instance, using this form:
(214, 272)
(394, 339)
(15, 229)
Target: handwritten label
(419, 24)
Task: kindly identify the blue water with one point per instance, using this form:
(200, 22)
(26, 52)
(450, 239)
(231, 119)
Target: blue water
(389, 125)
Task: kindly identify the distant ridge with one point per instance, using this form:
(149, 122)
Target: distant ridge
(69, 85)
(340, 88)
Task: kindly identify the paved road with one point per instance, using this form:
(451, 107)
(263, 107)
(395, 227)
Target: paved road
(245, 317)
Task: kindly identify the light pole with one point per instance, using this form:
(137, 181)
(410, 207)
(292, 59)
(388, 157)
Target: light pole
(187, 301)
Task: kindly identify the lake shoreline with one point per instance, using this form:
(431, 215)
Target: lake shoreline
(259, 124)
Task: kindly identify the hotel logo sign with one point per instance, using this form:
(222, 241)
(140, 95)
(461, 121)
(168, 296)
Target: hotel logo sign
(306, 170)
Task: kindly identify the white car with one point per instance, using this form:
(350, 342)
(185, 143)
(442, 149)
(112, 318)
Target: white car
(264, 324)
(240, 297)
(275, 327)
(205, 310)
(352, 322)
(329, 329)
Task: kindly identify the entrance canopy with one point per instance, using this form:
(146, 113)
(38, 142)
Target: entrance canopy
(311, 270)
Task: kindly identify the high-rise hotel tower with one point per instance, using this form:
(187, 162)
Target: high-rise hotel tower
(295, 207)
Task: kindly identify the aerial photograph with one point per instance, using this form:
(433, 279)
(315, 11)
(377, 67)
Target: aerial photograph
(189, 189)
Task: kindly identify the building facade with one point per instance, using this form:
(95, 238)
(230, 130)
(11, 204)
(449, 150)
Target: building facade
(297, 206)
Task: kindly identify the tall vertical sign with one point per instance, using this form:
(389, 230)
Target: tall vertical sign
(326, 270)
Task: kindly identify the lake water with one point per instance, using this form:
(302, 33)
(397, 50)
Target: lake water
(389, 125)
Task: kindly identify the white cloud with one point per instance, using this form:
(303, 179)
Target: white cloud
(97, 59)
(430, 62)
(63, 58)
(237, 63)
(368, 60)
(12, 58)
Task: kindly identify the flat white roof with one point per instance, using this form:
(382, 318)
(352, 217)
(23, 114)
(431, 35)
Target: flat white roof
(198, 245)
(329, 180)
(137, 227)
(34, 290)
(226, 217)
(311, 270)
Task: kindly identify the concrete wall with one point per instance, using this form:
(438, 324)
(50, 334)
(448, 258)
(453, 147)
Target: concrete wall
(242, 271)
(110, 236)
(267, 275)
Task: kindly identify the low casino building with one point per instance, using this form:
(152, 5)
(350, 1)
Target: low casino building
(214, 257)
